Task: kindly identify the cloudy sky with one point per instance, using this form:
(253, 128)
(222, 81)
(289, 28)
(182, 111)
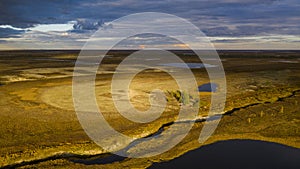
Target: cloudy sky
(229, 24)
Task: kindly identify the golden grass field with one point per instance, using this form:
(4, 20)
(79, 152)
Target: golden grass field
(39, 127)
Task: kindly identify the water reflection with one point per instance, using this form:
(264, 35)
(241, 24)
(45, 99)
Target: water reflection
(237, 154)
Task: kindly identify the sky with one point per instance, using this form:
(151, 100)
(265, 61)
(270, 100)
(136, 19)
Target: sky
(229, 24)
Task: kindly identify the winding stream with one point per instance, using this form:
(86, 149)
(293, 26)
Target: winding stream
(231, 152)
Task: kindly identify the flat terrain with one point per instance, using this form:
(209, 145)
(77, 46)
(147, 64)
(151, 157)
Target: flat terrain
(39, 127)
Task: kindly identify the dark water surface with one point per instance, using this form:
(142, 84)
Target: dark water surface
(231, 154)
(99, 160)
(189, 65)
(208, 87)
(237, 154)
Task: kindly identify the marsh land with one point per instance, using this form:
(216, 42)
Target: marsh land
(39, 127)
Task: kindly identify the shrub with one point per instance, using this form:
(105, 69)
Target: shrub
(181, 96)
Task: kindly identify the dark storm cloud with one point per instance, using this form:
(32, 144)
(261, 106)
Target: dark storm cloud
(251, 30)
(214, 17)
(7, 32)
(83, 25)
(218, 31)
(25, 14)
